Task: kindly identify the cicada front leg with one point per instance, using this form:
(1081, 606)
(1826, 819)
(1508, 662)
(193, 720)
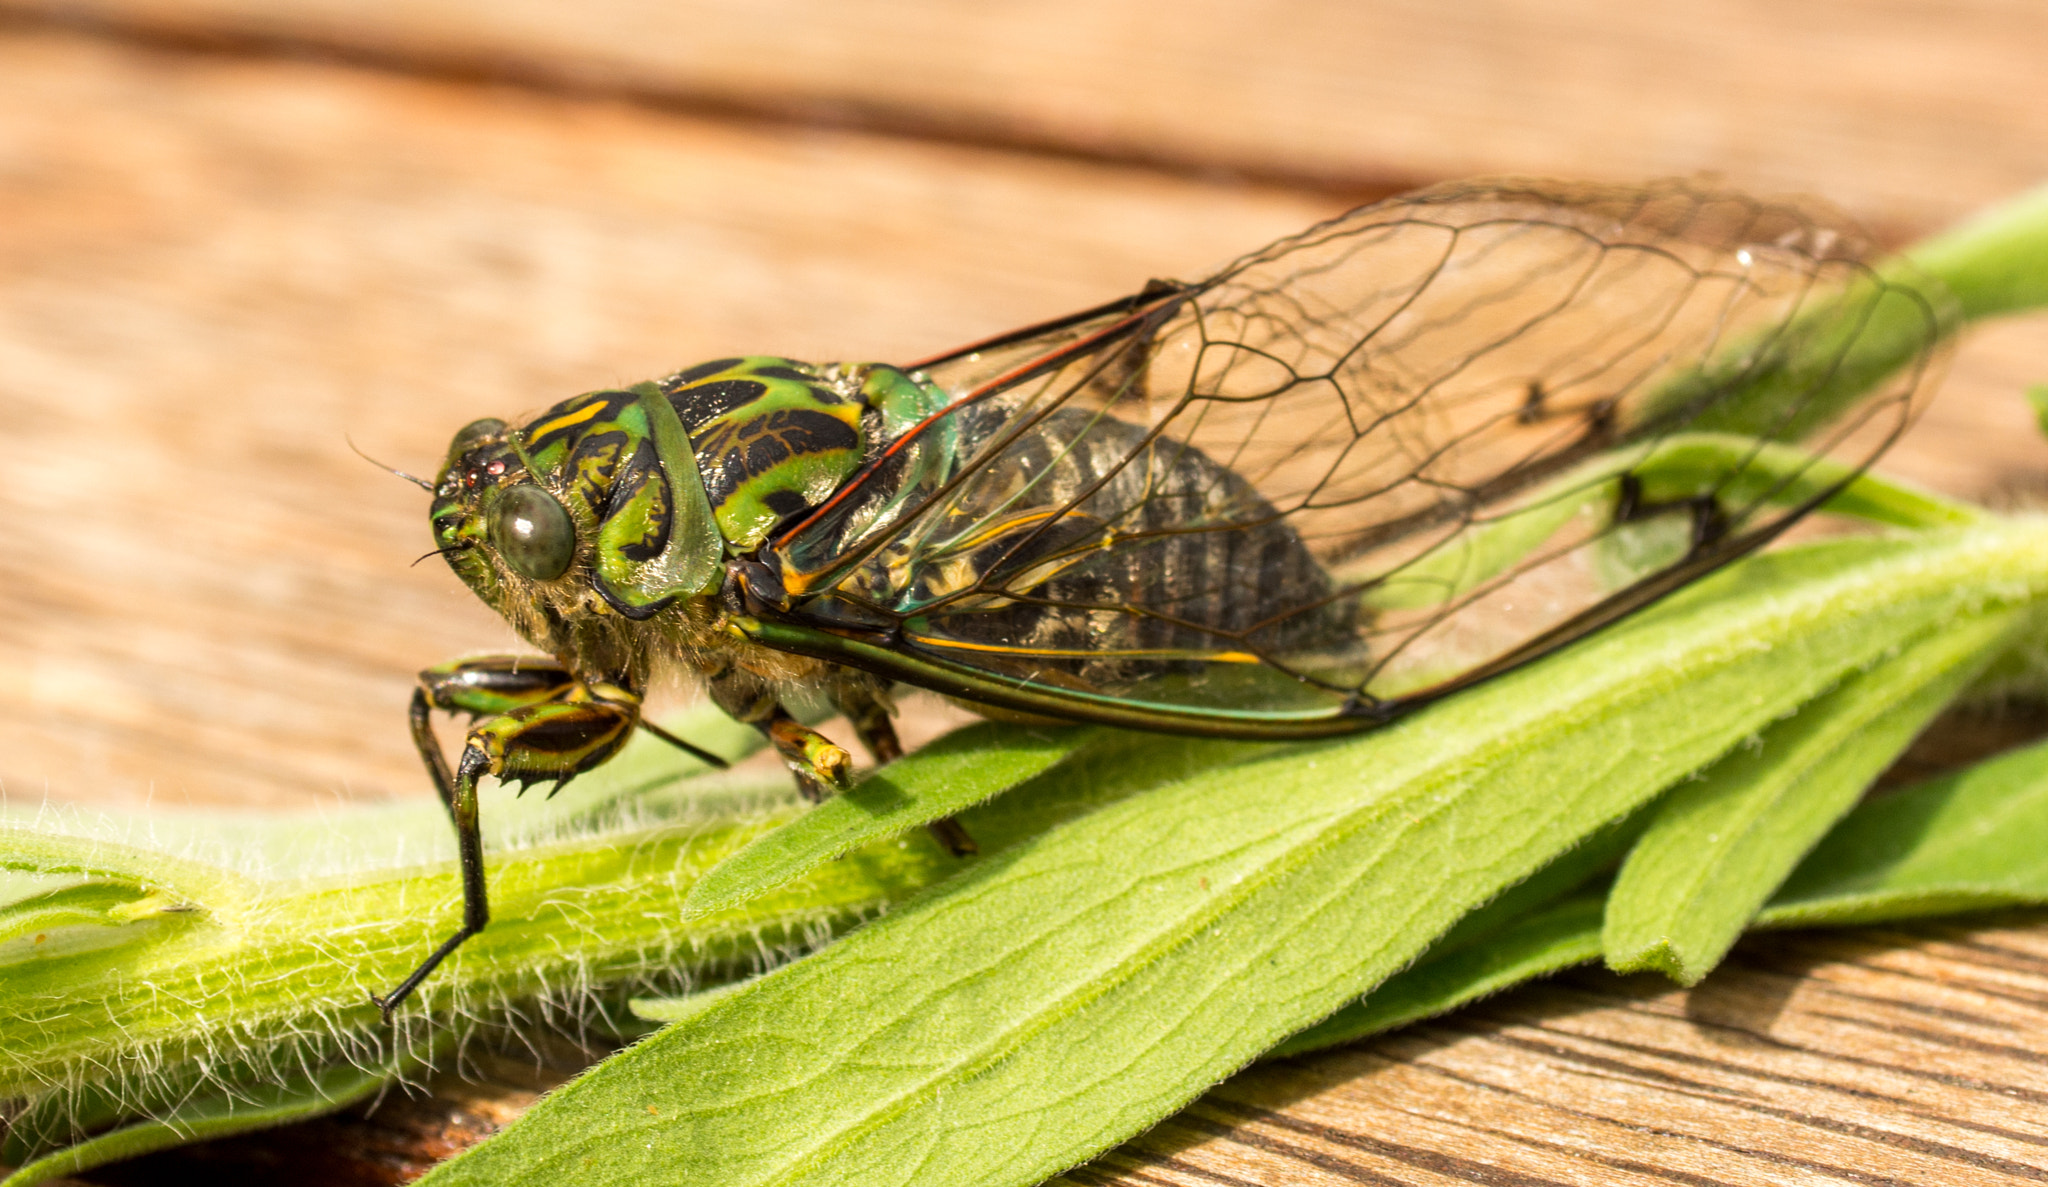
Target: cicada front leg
(536, 723)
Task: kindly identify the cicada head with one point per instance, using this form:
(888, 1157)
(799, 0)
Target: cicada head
(592, 513)
(504, 529)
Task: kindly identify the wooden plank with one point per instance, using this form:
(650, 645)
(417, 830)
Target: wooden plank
(1877, 1056)
(1913, 112)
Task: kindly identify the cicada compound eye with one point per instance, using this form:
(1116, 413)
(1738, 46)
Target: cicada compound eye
(532, 531)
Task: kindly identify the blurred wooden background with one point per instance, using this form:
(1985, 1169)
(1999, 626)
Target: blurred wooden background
(235, 235)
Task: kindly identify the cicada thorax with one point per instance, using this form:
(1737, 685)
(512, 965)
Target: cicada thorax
(775, 438)
(621, 504)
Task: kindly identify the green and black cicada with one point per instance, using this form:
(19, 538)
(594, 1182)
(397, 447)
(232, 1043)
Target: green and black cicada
(1346, 475)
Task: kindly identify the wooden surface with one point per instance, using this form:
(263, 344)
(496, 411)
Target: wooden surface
(233, 236)
(1906, 112)
(1871, 1057)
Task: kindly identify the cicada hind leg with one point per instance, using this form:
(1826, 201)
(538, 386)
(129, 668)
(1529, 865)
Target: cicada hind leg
(534, 721)
(821, 767)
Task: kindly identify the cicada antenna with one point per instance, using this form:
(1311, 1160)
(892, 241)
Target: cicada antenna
(422, 483)
(465, 546)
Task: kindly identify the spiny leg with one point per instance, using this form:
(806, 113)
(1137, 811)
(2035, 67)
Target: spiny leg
(868, 713)
(542, 725)
(492, 684)
(481, 687)
(459, 795)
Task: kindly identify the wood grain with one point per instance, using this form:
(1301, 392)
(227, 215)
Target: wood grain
(1909, 113)
(1914, 1056)
(233, 236)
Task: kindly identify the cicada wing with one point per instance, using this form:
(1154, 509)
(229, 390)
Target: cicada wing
(1375, 460)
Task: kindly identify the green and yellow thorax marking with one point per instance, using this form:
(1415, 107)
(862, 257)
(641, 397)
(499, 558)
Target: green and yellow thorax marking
(647, 490)
(775, 437)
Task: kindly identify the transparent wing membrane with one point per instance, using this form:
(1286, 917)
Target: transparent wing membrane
(1403, 450)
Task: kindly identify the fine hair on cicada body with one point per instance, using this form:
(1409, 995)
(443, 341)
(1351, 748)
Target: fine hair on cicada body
(1346, 475)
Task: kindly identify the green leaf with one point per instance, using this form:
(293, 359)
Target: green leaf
(1500, 944)
(1109, 766)
(1969, 841)
(1051, 1001)
(587, 899)
(1507, 917)
(87, 904)
(1739, 470)
(1537, 945)
(1995, 263)
(1718, 847)
(288, 968)
(31, 850)
(1742, 470)
(1593, 858)
(216, 1115)
(948, 776)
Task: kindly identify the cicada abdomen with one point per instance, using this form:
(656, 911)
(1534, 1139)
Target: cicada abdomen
(1097, 557)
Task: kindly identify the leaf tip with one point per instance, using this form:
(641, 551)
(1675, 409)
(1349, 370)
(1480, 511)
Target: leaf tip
(1659, 956)
(703, 899)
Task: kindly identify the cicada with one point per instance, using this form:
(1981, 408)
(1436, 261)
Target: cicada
(1344, 476)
